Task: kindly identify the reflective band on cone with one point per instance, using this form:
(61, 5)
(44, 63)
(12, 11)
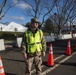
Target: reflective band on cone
(51, 48)
(1, 71)
(50, 52)
(1, 63)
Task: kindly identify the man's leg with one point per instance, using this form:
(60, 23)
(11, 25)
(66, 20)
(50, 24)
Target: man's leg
(28, 63)
(38, 62)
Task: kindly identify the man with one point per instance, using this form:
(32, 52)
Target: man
(33, 47)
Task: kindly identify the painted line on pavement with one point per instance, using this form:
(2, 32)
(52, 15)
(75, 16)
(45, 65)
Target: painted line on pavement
(55, 66)
(43, 65)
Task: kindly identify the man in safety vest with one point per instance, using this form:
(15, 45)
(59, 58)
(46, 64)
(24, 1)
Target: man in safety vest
(33, 47)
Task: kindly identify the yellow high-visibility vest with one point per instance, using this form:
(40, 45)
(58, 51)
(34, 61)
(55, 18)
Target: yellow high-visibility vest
(34, 42)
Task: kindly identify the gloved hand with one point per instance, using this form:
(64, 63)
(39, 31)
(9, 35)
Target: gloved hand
(43, 54)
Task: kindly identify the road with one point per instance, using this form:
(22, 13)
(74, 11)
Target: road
(14, 63)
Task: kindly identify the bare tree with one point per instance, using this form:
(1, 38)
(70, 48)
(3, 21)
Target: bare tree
(65, 10)
(39, 8)
(3, 11)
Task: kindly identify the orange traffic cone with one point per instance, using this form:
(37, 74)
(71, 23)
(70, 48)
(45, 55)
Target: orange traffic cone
(1, 67)
(68, 51)
(50, 56)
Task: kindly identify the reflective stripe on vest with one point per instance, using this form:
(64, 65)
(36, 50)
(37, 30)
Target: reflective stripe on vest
(34, 43)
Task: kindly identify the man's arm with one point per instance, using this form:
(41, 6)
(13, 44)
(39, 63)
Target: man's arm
(43, 41)
(23, 46)
(43, 44)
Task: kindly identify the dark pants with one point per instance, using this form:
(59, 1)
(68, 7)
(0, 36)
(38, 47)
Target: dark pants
(37, 61)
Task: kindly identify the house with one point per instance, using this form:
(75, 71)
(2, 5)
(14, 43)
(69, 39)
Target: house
(15, 27)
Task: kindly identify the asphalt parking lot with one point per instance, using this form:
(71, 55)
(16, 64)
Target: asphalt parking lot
(14, 63)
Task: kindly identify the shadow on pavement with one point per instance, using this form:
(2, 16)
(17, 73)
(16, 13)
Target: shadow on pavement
(69, 63)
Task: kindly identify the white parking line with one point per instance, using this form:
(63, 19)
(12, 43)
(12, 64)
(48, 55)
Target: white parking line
(58, 57)
(52, 68)
(43, 65)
